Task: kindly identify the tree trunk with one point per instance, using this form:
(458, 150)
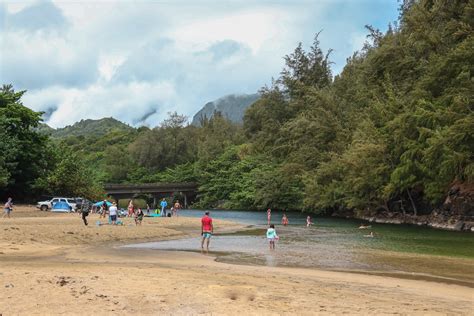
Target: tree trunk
(403, 208)
(415, 211)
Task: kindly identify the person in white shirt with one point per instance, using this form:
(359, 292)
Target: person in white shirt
(7, 209)
(113, 213)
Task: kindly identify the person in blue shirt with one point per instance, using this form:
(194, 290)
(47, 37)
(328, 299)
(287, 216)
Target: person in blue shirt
(163, 204)
(272, 236)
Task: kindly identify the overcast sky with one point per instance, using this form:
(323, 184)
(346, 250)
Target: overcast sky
(138, 60)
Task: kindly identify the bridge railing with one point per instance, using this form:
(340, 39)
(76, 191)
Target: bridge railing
(151, 185)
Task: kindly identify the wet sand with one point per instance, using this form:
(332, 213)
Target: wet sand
(53, 264)
(249, 247)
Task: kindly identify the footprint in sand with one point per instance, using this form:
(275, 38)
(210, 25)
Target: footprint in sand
(235, 293)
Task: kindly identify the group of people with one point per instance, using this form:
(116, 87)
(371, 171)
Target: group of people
(106, 208)
(175, 208)
(284, 219)
(272, 236)
(136, 212)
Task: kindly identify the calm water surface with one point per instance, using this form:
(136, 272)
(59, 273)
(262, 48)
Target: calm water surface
(338, 244)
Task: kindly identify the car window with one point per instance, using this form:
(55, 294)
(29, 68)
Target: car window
(54, 200)
(62, 200)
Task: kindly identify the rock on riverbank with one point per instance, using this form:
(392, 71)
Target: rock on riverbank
(456, 213)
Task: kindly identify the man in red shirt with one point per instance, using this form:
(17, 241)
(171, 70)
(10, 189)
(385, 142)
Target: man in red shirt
(206, 230)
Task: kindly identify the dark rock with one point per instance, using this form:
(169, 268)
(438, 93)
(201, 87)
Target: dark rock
(231, 106)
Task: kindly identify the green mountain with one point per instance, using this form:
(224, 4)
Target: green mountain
(231, 106)
(87, 127)
(45, 129)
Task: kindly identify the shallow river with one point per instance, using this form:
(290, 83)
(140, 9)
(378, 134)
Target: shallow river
(338, 244)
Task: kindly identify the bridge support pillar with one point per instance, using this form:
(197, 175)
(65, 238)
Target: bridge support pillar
(154, 202)
(185, 201)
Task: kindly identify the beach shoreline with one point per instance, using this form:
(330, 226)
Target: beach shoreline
(63, 267)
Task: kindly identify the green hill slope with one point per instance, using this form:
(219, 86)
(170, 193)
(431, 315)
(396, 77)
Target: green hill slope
(89, 127)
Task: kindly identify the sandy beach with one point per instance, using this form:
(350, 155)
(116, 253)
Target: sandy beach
(52, 264)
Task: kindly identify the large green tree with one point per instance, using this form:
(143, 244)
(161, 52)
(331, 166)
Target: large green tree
(24, 151)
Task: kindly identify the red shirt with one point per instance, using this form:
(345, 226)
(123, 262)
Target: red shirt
(206, 222)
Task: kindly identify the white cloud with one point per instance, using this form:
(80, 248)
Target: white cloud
(127, 102)
(108, 65)
(251, 28)
(136, 61)
(16, 6)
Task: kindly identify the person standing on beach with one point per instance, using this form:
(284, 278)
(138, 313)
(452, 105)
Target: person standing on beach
(269, 216)
(176, 208)
(272, 236)
(308, 221)
(8, 208)
(163, 204)
(85, 209)
(284, 220)
(113, 213)
(139, 217)
(130, 208)
(207, 229)
(104, 209)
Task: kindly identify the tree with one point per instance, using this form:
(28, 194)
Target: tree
(306, 69)
(166, 146)
(72, 177)
(23, 148)
(216, 135)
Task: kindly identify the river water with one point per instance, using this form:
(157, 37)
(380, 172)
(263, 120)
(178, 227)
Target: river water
(339, 244)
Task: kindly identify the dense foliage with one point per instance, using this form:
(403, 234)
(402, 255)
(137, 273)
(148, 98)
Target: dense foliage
(23, 158)
(30, 164)
(393, 131)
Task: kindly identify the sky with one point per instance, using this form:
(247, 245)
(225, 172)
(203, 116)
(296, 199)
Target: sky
(137, 61)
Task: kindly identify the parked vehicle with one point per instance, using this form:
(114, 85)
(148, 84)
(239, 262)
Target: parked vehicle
(48, 205)
(62, 207)
(81, 201)
(122, 213)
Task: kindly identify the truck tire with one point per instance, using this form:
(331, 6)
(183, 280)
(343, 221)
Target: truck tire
(44, 208)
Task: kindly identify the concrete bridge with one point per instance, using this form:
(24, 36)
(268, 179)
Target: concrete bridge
(187, 190)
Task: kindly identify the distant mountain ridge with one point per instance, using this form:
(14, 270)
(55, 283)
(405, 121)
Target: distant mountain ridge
(86, 127)
(232, 106)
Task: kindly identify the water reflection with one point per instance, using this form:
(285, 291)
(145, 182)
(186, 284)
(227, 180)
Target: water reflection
(270, 260)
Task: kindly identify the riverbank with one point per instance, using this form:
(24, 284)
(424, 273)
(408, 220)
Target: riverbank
(62, 267)
(456, 213)
(432, 220)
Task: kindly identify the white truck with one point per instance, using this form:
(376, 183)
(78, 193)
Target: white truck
(48, 205)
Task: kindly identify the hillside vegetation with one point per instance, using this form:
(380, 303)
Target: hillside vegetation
(88, 128)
